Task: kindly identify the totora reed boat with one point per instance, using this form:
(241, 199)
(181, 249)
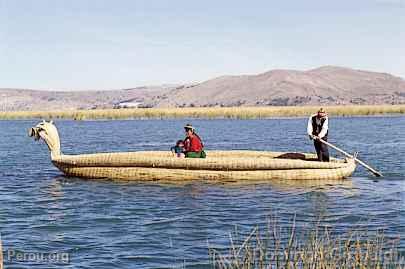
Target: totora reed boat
(219, 165)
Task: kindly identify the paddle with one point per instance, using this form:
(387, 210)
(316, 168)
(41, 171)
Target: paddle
(375, 172)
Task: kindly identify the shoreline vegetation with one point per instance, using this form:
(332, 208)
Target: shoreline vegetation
(205, 112)
(294, 246)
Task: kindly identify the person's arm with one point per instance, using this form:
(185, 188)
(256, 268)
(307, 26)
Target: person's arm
(199, 139)
(173, 150)
(309, 127)
(186, 145)
(324, 129)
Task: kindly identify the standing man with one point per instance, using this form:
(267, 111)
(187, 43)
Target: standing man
(318, 128)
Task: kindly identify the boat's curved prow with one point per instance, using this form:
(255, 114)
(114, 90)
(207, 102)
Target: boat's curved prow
(49, 133)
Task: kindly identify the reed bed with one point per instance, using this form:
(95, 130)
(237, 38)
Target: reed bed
(319, 248)
(205, 112)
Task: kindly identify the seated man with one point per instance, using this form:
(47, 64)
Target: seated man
(193, 146)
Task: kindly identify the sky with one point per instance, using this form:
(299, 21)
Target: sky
(96, 44)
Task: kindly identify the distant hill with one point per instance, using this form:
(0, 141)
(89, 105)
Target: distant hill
(328, 85)
(23, 99)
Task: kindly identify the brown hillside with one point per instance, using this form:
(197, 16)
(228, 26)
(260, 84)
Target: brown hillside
(325, 85)
(328, 85)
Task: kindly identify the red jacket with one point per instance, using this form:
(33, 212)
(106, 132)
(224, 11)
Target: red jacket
(193, 144)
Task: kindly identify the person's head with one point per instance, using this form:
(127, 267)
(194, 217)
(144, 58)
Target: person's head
(321, 113)
(189, 129)
(180, 143)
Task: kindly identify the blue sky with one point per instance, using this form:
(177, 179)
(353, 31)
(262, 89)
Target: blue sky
(84, 44)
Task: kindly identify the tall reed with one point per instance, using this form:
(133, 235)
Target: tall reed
(1, 254)
(204, 112)
(317, 248)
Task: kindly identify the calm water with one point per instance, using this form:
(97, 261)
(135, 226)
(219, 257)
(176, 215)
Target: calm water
(136, 225)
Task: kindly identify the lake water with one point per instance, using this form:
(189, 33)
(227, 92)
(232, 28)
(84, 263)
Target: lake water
(103, 224)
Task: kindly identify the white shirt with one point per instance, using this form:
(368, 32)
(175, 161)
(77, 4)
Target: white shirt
(318, 120)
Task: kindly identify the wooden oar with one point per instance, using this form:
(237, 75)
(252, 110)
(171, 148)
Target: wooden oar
(375, 172)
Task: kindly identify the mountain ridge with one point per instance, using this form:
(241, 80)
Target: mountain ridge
(325, 85)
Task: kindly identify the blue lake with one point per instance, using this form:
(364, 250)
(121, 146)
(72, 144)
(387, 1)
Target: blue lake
(103, 224)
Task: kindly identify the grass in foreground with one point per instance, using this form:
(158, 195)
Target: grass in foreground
(204, 112)
(314, 249)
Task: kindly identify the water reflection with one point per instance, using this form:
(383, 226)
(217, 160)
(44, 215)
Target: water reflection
(55, 188)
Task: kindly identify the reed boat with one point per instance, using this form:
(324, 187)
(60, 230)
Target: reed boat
(218, 166)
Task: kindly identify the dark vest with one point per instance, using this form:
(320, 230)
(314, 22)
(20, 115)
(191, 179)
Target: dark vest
(317, 128)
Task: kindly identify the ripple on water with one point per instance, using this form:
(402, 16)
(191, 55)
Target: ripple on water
(106, 224)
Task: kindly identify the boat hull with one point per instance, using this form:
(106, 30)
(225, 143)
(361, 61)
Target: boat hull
(219, 166)
(154, 174)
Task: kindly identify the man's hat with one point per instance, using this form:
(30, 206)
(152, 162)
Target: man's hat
(322, 111)
(189, 127)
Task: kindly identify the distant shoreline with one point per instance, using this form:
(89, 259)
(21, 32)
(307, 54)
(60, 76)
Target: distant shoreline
(206, 112)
